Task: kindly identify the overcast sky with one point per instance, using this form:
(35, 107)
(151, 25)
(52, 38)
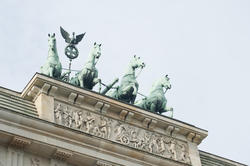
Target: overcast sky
(204, 46)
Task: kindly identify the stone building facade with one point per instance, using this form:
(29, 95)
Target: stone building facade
(52, 123)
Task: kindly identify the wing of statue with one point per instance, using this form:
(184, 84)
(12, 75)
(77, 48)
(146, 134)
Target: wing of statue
(79, 37)
(65, 35)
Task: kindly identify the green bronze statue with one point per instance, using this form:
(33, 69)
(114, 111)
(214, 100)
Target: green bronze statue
(156, 100)
(128, 88)
(52, 67)
(88, 76)
(70, 50)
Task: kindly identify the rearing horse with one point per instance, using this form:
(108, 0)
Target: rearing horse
(88, 76)
(52, 67)
(156, 100)
(128, 88)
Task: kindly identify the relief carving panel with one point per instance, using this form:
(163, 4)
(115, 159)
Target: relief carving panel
(121, 132)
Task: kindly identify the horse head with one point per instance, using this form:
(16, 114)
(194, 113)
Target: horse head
(96, 50)
(137, 62)
(52, 41)
(165, 82)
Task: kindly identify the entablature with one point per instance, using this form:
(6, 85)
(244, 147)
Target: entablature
(109, 119)
(92, 101)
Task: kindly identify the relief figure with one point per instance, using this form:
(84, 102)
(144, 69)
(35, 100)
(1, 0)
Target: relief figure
(172, 149)
(58, 113)
(89, 122)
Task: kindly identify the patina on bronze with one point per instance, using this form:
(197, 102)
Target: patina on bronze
(88, 77)
(71, 50)
(52, 66)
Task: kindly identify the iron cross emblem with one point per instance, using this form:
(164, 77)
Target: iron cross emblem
(71, 51)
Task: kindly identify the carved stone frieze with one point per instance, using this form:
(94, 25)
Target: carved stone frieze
(120, 132)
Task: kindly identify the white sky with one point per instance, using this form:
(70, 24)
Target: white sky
(202, 44)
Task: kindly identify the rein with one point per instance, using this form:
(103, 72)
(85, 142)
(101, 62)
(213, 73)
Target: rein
(134, 73)
(96, 61)
(128, 75)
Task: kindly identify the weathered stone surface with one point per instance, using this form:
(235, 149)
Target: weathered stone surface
(45, 107)
(16, 103)
(19, 142)
(120, 132)
(61, 154)
(78, 127)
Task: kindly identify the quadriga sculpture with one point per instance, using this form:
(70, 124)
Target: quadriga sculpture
(156, 100)
(53, 66)
(128, 88)
(88, 76)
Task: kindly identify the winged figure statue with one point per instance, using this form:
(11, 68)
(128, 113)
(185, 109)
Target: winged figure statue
(74, 40)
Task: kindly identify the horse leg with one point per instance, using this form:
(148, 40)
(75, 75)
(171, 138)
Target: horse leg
(135, 90)
(80, 79)
(95, 81)
(51, 69)
(133, 99)
(152, 107)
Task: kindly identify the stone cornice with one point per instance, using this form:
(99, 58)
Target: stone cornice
(110, 107)
(20, 142)
(69, 143)
(61, 154)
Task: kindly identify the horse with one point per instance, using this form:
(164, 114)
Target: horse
(156, 100)
(88, 76)
(53, 66)
(128, 88)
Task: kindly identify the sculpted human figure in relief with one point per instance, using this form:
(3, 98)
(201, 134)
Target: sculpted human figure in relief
(123, 133)
(134, 138)
(67, 117)
(162, 147)
(172, 149)
(89, 122)
(119, 132)
(184, 155)
(152, 144)
(58, 113)
(104, 128)
(78, 119)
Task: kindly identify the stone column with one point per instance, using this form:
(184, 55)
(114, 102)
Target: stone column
(14, 157)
